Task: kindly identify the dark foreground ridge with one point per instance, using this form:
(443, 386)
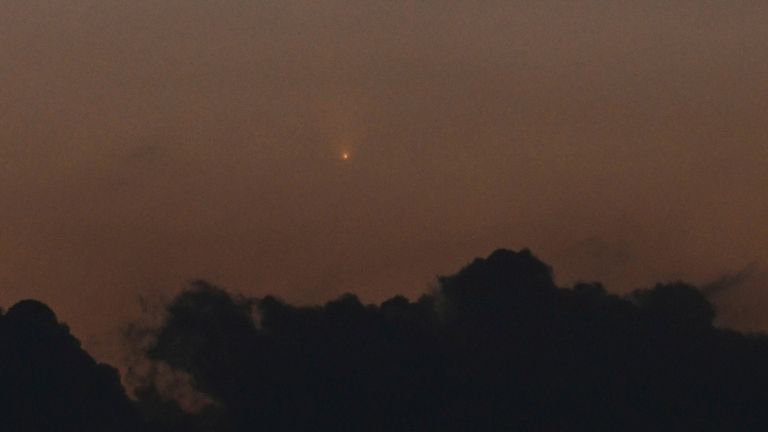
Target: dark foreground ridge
(496, 347)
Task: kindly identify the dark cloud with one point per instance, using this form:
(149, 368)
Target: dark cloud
(597, 258)
(740, 297)
(48, 383)
(497, 346)
(730, 281)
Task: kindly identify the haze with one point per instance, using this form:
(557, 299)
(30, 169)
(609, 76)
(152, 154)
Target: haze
(144, 144)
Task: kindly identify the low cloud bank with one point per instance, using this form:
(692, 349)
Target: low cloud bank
(496, 346)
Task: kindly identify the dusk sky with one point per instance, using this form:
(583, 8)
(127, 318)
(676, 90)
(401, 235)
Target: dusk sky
(144, 144)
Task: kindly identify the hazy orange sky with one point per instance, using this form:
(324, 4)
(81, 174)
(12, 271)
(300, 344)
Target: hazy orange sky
(147, 143)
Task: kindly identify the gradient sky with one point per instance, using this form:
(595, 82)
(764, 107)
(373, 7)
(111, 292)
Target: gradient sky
(147, 143)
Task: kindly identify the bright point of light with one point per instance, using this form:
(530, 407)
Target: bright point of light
(345, 156)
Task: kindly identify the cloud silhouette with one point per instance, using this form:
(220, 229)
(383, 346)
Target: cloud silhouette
(48, 383)
(496, 346)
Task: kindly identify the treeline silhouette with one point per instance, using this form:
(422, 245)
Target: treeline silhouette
(496, 347)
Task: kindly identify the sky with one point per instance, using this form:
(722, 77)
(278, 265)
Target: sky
(145, 144)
